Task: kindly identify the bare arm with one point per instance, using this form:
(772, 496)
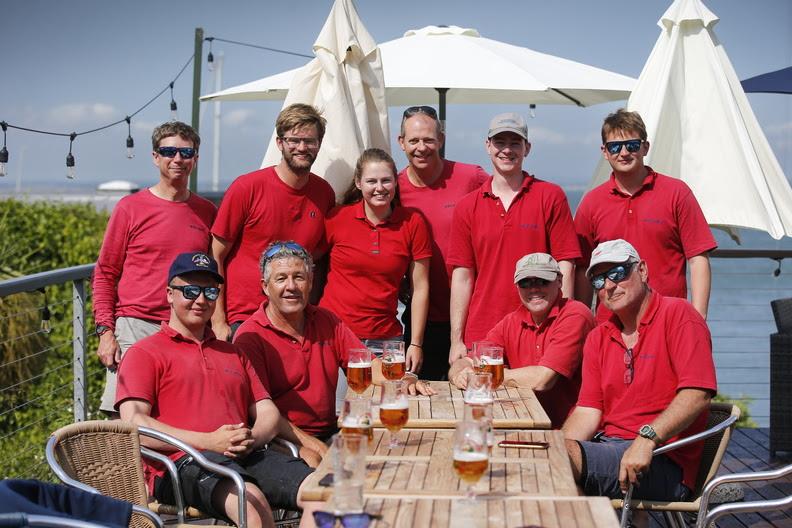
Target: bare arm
(583, 290)
(582, 424)
(700, 282)
(462, 281)
(220, 249)
(266, 419)
(534, 377)
(419, 309)
(568, 280)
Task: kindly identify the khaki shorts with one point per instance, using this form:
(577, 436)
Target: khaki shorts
(128, 331)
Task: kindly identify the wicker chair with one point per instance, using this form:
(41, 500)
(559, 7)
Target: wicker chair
(781, 378)
(105, 457)
(716, 437)
(21, 520)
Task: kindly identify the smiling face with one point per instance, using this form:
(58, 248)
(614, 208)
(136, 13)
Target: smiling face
(288, 285)
(625, 162)
(421, 142)
(191, 313)
(377, 183)
(539, 298)
(626, 295)
(175, 171)
(507, 151)
(299, 155)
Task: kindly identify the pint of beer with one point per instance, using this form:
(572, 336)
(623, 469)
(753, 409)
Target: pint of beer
(356, 418)
(471, 455)
(488, 357)
(393, 360)
(359, 369)
(394, 409)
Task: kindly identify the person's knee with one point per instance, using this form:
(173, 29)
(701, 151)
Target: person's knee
(257, 510)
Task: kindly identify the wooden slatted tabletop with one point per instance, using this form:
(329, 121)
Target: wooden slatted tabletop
(424, 467)
(514, 408)
(508, 512)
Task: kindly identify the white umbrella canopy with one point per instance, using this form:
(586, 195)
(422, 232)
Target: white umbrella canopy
(474, 69)
(345, 83)
(702, 129)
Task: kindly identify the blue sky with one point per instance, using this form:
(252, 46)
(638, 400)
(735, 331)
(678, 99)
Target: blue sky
(79, 64)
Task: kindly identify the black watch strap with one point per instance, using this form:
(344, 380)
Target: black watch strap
(101, 329)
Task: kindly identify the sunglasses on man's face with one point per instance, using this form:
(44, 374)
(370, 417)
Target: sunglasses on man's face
(533, 282)
(170, 152)
(615, 274)
(326, 519)
(274, 250)
(422, 109)
(192, 292)
(632, 146)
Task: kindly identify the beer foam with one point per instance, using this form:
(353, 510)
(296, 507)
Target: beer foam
(469, 456)
(356, 421)
(396, 405)
(361, 364)
(486, 360)
(478, 399)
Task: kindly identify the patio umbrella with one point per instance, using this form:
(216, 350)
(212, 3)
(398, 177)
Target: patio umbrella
(344, 82)
(779, 81)
(702, 129)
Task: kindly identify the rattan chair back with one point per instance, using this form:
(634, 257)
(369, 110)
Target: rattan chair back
(715, 446)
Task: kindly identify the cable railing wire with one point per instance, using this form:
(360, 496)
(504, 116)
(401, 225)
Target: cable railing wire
(45, 373)
(22, 405)
(42, 351)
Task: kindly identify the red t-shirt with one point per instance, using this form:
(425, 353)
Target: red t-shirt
(490, 240)
(662, 220)
(437, 202)
(258, 209)
(143, 236)
(673, 352)
(191, 386)
(301, 377)
(367, 263)
(556, 344)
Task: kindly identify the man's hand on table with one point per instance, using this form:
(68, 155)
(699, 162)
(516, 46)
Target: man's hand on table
(416, 386)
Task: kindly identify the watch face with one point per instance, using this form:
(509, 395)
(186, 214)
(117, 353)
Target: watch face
(647, 432)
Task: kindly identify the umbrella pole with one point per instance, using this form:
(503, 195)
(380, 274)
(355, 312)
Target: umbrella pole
(441, 113)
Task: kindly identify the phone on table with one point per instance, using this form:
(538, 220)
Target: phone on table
(523, 444)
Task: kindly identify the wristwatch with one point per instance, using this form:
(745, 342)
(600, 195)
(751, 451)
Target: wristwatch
(647, 431)
(101, 329)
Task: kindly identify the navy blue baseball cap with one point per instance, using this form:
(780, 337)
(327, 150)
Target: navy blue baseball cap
(192, 262)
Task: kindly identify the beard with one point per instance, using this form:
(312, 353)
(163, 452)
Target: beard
(299, 164)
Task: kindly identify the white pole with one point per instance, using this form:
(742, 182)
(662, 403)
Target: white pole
(216, 123)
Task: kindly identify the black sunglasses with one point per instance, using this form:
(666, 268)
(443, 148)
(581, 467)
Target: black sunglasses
(192, 292)
(294, 246)
(170, 152)
(614, 147)
(615, 274)
(326, 519)
(533, 282)
(422, 109)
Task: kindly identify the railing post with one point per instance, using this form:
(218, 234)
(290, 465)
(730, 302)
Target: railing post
(78, 345)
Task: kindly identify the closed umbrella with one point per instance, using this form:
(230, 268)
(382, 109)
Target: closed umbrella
(702, 129)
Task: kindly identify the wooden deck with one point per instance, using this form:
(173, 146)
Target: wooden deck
(748, 451)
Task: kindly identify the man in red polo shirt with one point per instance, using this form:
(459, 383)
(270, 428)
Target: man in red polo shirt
(511, 215)
(285, 201)
(186, 383)
(542, 340)
(297, 348)
(648, 377)
(434, 186)
(655, 213)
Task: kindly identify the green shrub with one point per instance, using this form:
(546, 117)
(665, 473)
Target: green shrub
(743, 402)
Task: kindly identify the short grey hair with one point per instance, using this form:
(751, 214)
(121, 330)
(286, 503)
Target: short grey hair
(282, 250)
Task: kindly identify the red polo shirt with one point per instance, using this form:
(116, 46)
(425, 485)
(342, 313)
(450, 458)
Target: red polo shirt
(490, 240)
(301, 376)
(437, 203)
(257, 209)
(662, 220)
(190, 385)
(557, 344)
(673, 352)
(367, 263)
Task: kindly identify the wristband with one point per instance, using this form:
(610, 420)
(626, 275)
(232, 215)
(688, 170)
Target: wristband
(416, 345)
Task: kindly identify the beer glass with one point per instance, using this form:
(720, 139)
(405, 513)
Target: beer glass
(359, 369)
(471, 454)
(393, 360)
(356, 418)
(349, 472)
(488, 357)
(394, 410)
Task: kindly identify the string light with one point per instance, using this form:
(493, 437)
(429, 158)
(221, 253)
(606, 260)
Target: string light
(3, 151)
(46, 327)
(210, 57)
(130, 142)
(70, 170)
(173, 107)
(531, 110)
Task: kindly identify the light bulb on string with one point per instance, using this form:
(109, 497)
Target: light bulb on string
(173, 107)
(130, 143)
(70, 169)
(3, 151)
(532, 110)
(210, 57)
(45, 327)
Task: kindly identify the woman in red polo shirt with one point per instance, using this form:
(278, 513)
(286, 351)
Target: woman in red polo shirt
(374, 242)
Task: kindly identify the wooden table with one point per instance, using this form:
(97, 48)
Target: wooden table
(514, 408)
(510, 512)
(424, 467)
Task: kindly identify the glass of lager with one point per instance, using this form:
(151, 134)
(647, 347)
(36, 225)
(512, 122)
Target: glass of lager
(393, 360)
(359, 369)
(394, 410)
(488, 357)
(471, 454)
(356, 418)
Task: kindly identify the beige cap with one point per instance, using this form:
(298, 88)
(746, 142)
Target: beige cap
(509, 122)
(612, 251)
(539, 265)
